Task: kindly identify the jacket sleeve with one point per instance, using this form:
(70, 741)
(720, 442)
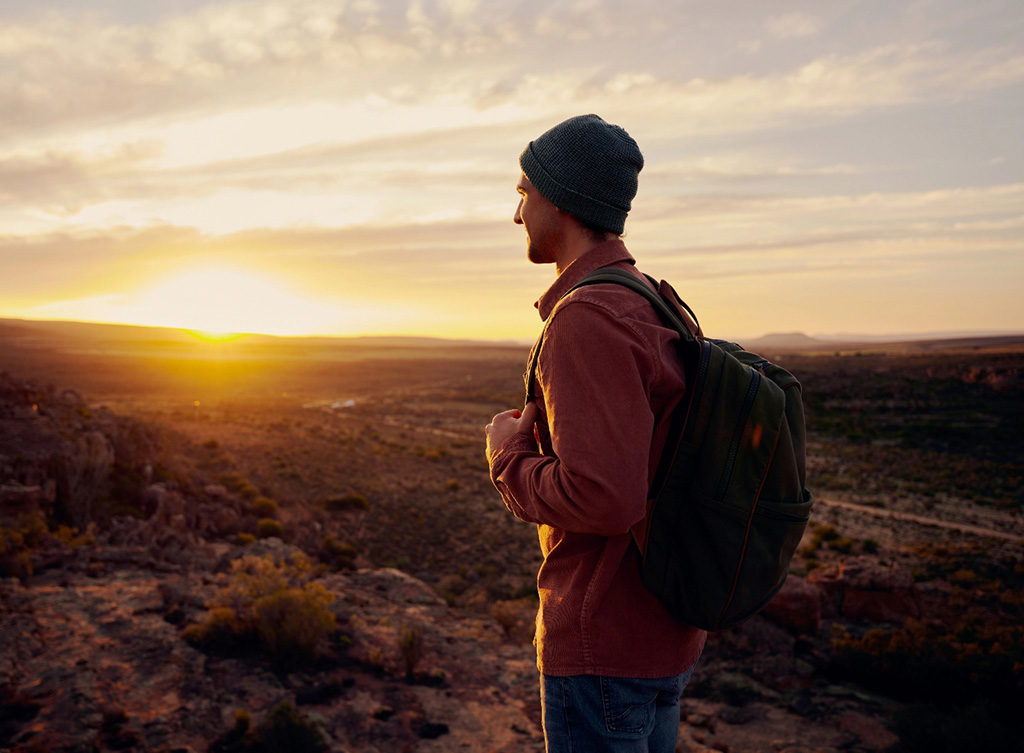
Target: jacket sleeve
(593, 373)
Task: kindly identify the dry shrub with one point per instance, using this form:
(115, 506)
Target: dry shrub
(292, 622)
(267, 527)
(17, 540)
(271, 603)
(340, 555)
(265, 507)
(284, 729)
(410, 643)
(941, 669)
(236, 482)
(517, 618)
(219, 631)
(83, 472)
(344, 502)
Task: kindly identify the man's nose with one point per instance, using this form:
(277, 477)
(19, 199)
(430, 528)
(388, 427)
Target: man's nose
(518, 216)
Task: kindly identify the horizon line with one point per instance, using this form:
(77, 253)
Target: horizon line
(819, 338)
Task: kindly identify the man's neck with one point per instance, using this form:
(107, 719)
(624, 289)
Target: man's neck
(577, 244)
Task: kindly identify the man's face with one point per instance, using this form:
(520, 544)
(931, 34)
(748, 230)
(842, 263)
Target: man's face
(542, 222)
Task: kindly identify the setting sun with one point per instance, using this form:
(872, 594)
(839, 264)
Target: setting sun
(218, 301)
(213, 302)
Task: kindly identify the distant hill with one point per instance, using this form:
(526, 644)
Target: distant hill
(798, 342)
(40, 331)
(784, 341)
(61, 335)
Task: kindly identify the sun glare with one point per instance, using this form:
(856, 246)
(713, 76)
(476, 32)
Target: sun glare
(216, 337)
(218, 303)
(222, 302)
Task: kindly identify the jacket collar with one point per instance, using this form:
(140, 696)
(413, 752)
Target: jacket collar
(606, 254)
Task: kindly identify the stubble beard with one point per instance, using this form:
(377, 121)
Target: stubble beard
(538, 251)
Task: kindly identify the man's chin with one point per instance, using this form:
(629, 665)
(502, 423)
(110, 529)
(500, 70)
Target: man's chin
(537, 257)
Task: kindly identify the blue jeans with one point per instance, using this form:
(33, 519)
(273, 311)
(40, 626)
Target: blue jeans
(594, 714)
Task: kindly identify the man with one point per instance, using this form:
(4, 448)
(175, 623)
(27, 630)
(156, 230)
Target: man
(579, 460)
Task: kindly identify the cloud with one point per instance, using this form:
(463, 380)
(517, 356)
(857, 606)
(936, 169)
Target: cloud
(63, 71)
(80, 69)
(733, 166)
(63, 182)
(478, 265)
(793, 25)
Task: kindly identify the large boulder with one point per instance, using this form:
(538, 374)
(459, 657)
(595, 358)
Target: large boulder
(865, 591)
(797, 606)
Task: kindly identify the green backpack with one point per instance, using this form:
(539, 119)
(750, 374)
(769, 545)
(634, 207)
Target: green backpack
(728, 505)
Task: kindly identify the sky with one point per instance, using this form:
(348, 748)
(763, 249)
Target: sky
(348, 167)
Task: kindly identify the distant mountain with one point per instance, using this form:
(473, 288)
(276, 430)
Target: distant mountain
(784, 340)
(796, 342)
(899, 337)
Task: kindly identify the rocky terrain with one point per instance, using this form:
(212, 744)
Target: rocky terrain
(250, 570)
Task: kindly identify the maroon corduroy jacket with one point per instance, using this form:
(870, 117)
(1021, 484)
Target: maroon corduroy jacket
(607, 380)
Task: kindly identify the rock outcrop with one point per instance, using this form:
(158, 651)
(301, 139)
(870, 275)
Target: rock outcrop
(88, 657)
(864, 591)
(57, 453)
(797, 606)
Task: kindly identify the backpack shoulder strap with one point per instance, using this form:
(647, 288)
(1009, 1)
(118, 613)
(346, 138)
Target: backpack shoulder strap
(673, 317)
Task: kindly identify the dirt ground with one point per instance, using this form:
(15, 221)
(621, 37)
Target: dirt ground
(914, 456)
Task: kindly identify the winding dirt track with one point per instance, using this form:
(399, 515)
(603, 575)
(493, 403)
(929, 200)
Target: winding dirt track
(922, 520)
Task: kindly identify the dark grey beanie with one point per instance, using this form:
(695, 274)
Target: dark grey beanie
(586, 167)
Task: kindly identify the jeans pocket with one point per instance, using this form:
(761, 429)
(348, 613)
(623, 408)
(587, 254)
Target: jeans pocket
(629, 705)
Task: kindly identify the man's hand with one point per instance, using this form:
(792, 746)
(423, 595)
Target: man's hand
(510, 422)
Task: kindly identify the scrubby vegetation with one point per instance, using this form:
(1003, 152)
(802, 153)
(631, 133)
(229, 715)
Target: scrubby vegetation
(264, 507)
(267, 527)
(284, 729)
(17, 539)
(939, 422)
(887, 432)
(348, 501)
(270, 604)
(963, 682)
